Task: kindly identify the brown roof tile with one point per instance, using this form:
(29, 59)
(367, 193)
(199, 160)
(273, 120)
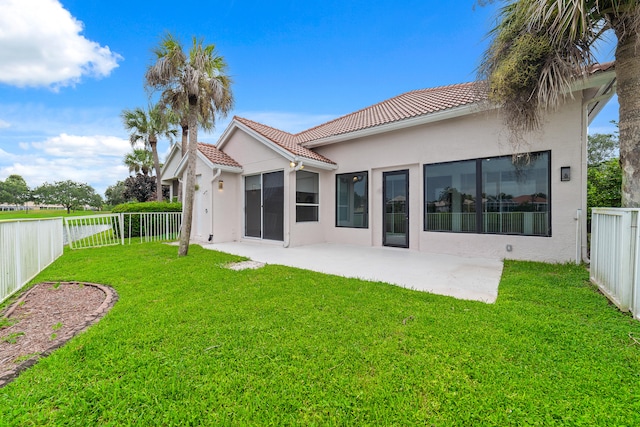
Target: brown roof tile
(402, 107)
(411, 104)
(408, 105)
(216, 156)
(284, 140)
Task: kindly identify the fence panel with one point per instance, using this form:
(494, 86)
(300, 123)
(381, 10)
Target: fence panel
(26, 248)
(93, 231)
(152, 226)
(615, 256)
(118, 229)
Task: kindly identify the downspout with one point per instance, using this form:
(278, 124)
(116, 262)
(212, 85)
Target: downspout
(215, 176)
(581, 242)
(295, 166)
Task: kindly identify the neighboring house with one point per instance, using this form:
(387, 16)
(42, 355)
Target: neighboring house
(429, 170)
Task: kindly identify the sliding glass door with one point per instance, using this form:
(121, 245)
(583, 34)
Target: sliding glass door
(264, 206)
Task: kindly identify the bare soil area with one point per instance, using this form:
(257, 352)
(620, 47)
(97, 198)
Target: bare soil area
(44, 318)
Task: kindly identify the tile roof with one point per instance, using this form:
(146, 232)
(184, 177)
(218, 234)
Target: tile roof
(216, 156)
(408, 105)
(284, 140)
(402, 107)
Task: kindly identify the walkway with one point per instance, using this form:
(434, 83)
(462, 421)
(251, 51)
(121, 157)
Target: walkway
(464, 278)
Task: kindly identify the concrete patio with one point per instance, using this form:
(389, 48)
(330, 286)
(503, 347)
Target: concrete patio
(464, 278)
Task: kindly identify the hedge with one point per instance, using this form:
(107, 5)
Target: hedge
(146, 207)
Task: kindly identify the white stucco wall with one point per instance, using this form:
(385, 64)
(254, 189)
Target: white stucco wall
(474, 136)
(469, 137)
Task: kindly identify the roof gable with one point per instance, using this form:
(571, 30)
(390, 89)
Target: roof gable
(217, 157)
(280, 141)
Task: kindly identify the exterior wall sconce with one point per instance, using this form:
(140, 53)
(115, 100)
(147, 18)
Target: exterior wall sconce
(292, 164)
(565, 173)
(220, 185)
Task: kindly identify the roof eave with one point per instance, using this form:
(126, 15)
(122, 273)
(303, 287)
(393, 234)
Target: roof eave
(450, 113)
(315, 163)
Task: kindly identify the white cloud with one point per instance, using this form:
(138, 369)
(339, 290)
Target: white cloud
(83, 147)
(4, 124)
(41, 45)
(95, 160)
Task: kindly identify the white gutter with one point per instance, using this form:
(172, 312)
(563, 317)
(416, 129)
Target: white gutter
(287, 223)
(215, 176)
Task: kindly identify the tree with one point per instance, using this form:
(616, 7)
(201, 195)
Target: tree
(114, 194)
(195, 86)
(601, 147)
(139, 187)
(14, 190)
(540, 47)
(139, 161)
(604, 175)
(604, 181)
(146, 126)
(69, 194)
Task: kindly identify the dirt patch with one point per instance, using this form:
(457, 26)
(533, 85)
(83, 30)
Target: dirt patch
(46, 317)
(243, 265)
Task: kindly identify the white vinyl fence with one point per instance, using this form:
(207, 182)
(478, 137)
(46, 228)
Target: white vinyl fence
(26, 248)
(117, 229)
(615, 256)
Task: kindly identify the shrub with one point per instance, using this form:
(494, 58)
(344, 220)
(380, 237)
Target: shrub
(132, 226)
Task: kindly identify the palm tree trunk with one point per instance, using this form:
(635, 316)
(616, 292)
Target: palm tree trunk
(190, 184)
(628, 76)
(183, 149)
(156, 165)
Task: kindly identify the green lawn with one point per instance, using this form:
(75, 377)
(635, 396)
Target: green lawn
(44, 214)
(192, 343)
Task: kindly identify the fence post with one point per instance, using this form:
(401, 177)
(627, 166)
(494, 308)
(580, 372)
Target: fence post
(18, 258)
(121, 226)
(635, 260)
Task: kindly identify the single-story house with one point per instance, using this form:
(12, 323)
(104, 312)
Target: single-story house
(429, 170)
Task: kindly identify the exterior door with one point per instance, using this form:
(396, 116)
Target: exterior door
(264, 206)
(395, 190)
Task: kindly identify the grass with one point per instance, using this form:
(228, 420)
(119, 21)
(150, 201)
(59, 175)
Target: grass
(192, 343)
(53, 213)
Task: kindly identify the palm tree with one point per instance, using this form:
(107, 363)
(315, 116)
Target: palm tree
(146, 126)
(540, 47)
(195, 86)
(139, 160)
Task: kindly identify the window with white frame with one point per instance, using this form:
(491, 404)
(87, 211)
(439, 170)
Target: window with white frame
(307, 199)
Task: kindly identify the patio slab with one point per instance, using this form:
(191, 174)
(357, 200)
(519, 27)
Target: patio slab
(459, 277)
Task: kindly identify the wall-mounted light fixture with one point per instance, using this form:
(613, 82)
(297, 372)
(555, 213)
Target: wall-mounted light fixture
(565, 173)
(220, 185)
(292, 164)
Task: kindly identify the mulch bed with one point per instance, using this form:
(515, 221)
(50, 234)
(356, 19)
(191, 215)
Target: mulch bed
(46, 317)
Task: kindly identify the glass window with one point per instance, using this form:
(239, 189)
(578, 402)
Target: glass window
(450, 197)
(306, 196)
(515, 195)
(352, 208)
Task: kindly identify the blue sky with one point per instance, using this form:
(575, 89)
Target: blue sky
(68, 68)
